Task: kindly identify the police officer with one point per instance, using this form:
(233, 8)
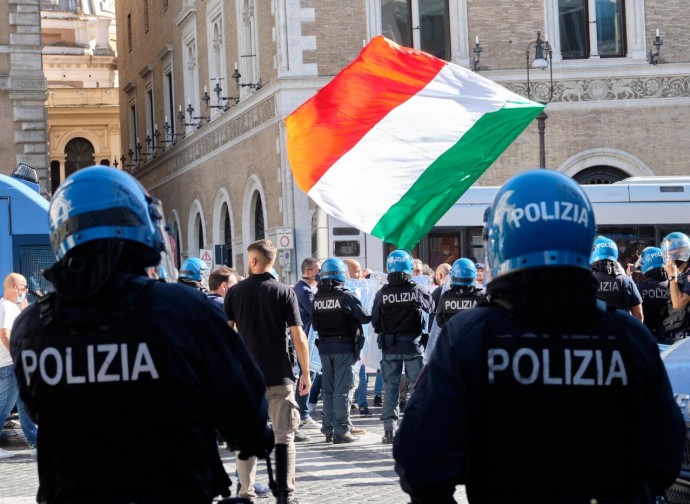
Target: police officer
(654, 291)
(194, 272)
(463, 293)
(128, 376)
(544, 395)
(337, 315)
(676, 251)
(616, 288)
(398, 317)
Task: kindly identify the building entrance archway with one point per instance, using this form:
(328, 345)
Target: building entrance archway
(79, 154)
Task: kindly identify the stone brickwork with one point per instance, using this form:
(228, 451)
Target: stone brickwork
(672, 18)
(22, 88)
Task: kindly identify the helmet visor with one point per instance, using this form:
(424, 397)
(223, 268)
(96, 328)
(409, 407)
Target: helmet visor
(674, 249)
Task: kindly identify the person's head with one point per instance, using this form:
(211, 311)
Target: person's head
(480, 272)
(603, 249)
(221, 279)
(463, 273)
(102, 220)
(194, 270)
(399, 261)
(652, 258)
(417, 267)
(334, 270)
(261, 256)
(310, 269)
(15, 288)
(354, 269)
(676, 247)
(442, 271)
(540, 219)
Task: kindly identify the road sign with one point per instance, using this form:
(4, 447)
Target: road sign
(284, 239)
(206, 255)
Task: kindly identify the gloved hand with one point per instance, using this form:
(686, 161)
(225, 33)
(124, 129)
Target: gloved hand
(262, 448)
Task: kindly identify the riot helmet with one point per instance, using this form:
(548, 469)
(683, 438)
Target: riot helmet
(651, 258)
(195, 270)
(398, 261)
(334, 269)
(604, 249)
(676, 247)
(463, 273)
(539, 218)
(103, 205)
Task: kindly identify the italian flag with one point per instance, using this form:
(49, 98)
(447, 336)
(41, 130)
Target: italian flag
(392, 142)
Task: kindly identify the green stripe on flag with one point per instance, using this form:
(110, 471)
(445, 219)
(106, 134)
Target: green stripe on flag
(442, 183)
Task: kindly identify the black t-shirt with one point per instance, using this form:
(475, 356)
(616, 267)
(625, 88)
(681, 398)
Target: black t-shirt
(263, 309)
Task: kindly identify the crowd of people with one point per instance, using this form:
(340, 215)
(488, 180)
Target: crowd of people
(214, 359)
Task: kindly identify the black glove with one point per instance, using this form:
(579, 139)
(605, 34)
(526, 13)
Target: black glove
(262, 449)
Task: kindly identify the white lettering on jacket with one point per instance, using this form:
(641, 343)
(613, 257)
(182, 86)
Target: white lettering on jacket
(609, 287)
(548, 211)
(400, 297)
(459, 304)
(103, 364)
(584, 368)
(326, 304)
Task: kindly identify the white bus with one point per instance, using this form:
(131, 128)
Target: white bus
(636, 213)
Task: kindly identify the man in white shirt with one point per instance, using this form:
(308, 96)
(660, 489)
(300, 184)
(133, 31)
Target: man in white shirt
(13, 299)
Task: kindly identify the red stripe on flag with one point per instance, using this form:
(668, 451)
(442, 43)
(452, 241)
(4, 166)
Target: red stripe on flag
(329, 124)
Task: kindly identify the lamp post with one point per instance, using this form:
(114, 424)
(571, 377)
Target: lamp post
(542, 59)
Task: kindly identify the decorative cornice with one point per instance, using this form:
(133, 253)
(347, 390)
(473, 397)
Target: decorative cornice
(130, 86)
(146, 71)
(163, 53)
(588, 90)
(188, 9)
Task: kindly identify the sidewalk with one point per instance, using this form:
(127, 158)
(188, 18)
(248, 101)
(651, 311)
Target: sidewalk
(326, 473)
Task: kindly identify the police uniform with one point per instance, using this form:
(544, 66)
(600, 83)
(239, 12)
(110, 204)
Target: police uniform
(617, 290)
(654, 305)
(521, 415)
(129, 389)
(337, 315)
(397, 317)
(545, 395)
(455, 300)
(677, 322)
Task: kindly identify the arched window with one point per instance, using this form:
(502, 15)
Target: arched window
(259, 231)
(199, 231)
(178, 247)
(54, 175)
(227, 236)
(600, 175)
(79, 152)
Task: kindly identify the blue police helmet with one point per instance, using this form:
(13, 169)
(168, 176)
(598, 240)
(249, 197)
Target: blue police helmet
(333, 269)
(399, 261)
(676, 247)
(539, 218)
(603, 249)
(651, 258)
(194, 269)
(98, 203)
(463, 272)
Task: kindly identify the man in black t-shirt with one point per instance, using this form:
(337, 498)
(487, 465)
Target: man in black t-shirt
(261, 307)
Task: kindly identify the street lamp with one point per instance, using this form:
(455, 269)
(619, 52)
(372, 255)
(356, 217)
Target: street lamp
(542, 59)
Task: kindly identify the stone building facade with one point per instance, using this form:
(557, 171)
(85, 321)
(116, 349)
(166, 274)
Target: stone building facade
(220, 165)
(22, 88)
(80, 66)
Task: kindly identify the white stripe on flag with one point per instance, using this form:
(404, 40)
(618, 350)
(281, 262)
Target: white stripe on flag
(375, 174)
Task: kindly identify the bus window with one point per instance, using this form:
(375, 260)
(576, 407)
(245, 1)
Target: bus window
(444, 247)
(475, 239)
(346, 248)
(631, 240)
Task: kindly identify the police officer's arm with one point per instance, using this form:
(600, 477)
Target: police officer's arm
(357, 309)
(679, 298)
(659, 425)
(234, 388)
(440, 317)
(634, 299)
(431, 447)
(376, 313)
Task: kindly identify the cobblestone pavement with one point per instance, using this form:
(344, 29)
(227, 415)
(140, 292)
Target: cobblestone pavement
(351, 473)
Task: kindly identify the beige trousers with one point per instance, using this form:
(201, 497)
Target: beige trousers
(284, 413)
